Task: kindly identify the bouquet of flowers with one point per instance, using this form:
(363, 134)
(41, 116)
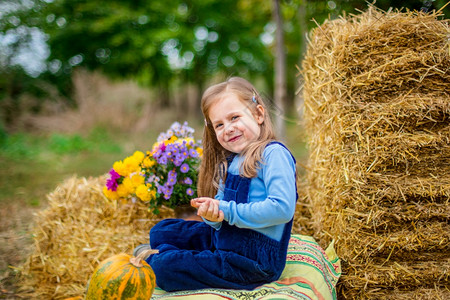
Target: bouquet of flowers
(167, 175)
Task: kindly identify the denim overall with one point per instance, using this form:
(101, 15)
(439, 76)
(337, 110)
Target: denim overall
(193, 255)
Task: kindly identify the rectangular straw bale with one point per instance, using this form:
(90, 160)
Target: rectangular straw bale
(399, 274)
(419, 294)
(413, 239)
(437, 293)
(80, 228)
(377, 114)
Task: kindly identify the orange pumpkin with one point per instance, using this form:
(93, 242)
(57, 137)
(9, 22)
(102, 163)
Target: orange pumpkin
(122, 277)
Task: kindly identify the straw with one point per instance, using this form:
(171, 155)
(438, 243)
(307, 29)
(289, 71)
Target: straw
(377, 114)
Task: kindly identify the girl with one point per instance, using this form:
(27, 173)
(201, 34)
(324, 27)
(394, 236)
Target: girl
(247, 185)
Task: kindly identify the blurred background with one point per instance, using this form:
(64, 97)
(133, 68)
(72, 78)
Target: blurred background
(86, 83)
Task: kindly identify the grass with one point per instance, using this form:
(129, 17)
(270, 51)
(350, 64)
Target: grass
(32, 165)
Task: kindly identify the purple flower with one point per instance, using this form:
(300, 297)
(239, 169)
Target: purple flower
(114, 174)
(184, 168)
(193, 153)
(161, 188)
(182, 147)
(163, 159)
(175, 150)
(172, 181)
(170, 150)
(188, 180)
(167, 191)
(112, 183)
(157, 154)
(177, 162)
(190, 191)
(172, 178)
(185, 154)
(151, 178)
(181, 157)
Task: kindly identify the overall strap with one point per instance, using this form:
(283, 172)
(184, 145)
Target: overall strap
(230, 159)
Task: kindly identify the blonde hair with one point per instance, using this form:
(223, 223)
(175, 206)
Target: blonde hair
(213, 167)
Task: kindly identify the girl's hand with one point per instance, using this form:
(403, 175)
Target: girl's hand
(196, 202)
(208, 208)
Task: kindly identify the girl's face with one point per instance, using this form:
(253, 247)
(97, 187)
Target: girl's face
(235, 125)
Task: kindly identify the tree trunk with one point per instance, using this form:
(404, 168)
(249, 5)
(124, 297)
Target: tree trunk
(198, 110)
(280, 73)
(303, 32)
(183, 94)
(164, 95)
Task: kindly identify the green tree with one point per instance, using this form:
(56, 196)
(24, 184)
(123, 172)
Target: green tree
(158, 43)
(155, 41)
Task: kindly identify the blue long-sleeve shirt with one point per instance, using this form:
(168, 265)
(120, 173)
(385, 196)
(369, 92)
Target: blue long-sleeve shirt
(272, 195)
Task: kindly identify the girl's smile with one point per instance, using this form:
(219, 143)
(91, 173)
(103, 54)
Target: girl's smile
(234, 138)
(234, 123)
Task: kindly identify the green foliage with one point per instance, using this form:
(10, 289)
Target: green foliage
(20, 146)
(153, 42)
(67, 144)
(32, 165)
(3, 135)
(23, 146)
(103, 141)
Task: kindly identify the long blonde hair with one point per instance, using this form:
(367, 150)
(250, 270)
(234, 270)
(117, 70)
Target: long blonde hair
(214, 162)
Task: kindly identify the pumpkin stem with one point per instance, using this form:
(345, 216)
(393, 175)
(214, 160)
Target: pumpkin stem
(137, 261)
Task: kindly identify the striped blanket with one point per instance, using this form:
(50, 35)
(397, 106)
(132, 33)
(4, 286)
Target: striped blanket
(310, 273)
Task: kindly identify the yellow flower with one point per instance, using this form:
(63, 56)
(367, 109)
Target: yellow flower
(199, 151)
(131, 165)
(128, 185)
(112, 195)
(171, 140)
(137, 180)
(152, 194)
(138, 156)
(122, 191)
(148, 162)
(145, 193)
(119, 167)
(142, 192)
